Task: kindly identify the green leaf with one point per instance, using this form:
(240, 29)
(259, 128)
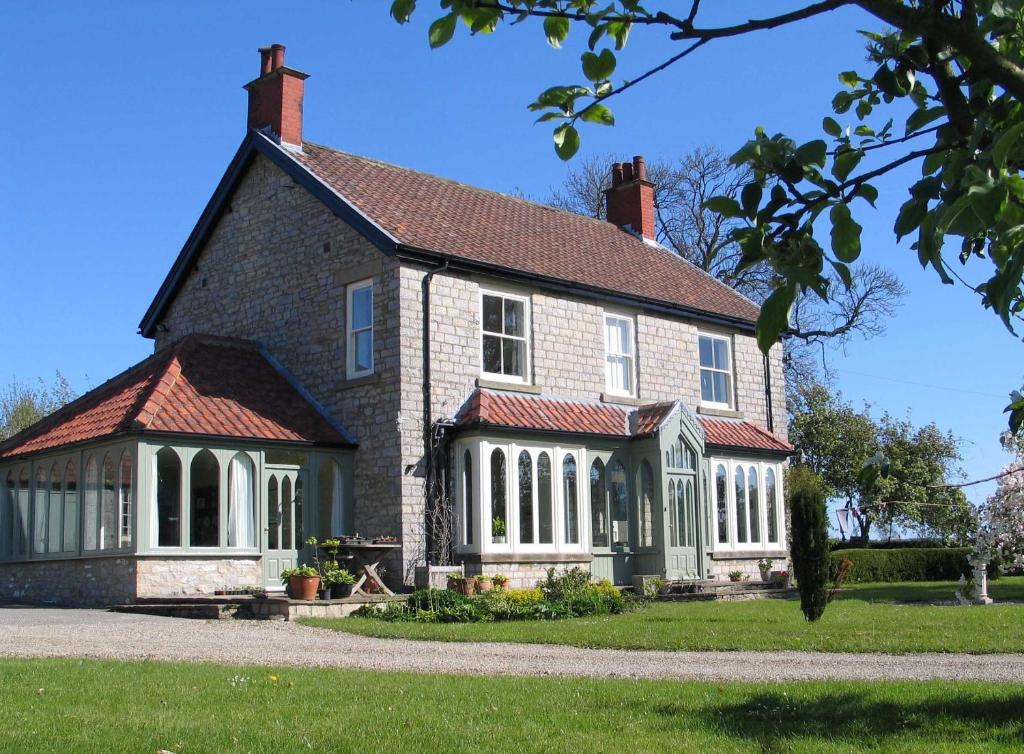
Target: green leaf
(725, 206)
(842, 101)
(557, 29)
(845, 233)
(844, 163)
(441, 31)
(922, 117)
(567, 141)
(774, 318)
(831, 127)
(849, 78)
(401, 10)
(868, 192)
(598, 114)
(813, 152)
(598, 67)
(911, 214)
(1005, 143)
(750, 197)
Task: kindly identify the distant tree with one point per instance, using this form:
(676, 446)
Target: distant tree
(1002, 516)
(686, 226)
(809, 546)
(837, 441)
(22, 405)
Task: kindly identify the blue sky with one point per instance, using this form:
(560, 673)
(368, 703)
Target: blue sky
(121, 117)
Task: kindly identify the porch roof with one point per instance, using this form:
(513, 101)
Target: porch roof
(213, 387)
(488, 408)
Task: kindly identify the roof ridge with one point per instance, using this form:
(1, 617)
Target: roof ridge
(150, 405)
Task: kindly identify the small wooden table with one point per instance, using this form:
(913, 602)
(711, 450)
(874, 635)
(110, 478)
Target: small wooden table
(366, 557)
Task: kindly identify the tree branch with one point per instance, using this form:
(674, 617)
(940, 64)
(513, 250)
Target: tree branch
(754, 24)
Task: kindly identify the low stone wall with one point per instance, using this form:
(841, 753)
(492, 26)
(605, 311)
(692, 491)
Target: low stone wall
(188, 577)
(722, 565)
(522, 575)
(79, 582)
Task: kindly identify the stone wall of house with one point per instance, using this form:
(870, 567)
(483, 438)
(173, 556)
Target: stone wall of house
(523, 575)
(723, 565)
(275, 270)
(188, 577)
(78, 582)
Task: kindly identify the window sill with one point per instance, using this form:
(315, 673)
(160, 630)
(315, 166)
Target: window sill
(527, 557)
(514, 387)
(727, 413)
(748, 554)
(625, 400)
(366, 379)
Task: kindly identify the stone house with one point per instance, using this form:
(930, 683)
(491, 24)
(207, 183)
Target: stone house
(345, 346)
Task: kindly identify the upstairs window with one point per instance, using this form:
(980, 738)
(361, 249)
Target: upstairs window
(504, 332)
(620, 355)
(715, 371)
(359, 315)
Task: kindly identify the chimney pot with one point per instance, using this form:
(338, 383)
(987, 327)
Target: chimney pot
(616, 173)
(277, 54)
(264, 61)
(639, 168)
(627, 172)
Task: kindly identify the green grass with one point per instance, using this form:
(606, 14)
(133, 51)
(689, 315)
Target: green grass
(88, 706)
(865, 618)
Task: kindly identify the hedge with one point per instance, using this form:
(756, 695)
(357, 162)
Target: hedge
(906, 564)
(894, 544)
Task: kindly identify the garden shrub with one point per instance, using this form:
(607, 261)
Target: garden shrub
(809, 541)
(907, 564)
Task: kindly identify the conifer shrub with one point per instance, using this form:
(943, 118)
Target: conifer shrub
(809, 543)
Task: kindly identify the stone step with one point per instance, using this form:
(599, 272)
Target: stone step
(211, 611)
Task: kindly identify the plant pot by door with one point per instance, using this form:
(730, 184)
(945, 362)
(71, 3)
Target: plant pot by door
(766, 575)
(341, 591)
(303, 587)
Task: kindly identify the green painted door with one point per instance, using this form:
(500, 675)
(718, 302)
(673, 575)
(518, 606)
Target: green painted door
(682, 536)
(283, 531)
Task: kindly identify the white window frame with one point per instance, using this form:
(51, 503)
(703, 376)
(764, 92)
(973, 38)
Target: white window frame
(526, 339)
(763, 546)
(730, 373)
(480, 451)
(609, 355)
(351, 332)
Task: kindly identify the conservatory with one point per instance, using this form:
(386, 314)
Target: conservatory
(170, 480)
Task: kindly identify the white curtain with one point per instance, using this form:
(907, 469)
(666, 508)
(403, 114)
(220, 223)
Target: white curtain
(337, 503)
(241, 511)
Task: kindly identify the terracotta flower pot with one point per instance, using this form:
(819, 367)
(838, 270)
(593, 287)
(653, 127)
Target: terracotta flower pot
(304, 587)
(484, 585)
(455, 585)
(468, 587)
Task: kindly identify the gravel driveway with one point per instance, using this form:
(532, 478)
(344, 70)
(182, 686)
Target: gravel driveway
(47, 632)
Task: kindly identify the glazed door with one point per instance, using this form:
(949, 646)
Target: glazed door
(283, 531)
(682, 537)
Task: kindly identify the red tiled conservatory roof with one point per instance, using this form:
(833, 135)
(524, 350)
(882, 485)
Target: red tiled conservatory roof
(201, 386)
(497, 409)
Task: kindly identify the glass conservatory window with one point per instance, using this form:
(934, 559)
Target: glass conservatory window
(8, 507)
(333, 512)
(673, 517)
(108, 510)
(467, 498)
(300, 500)
(125, 501)
(360, 328)
(499, 519)
(545, 501)
(204, 506)
(771, 505)
(598, 505)
(70, 524)
(525, 498)
(241, 502)
(755, 516)
(619, 504)
(168, 498)
(722, 503)
(55, 513)
(504, 331)
(273, 515)
(715, 371)
(645, 505)
(90, 504)
(619, 354)
(570, 499)
(24, 508)
(741, 506)
(41, 506)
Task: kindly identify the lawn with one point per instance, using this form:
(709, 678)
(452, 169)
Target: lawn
(891, 618)
(88, 706)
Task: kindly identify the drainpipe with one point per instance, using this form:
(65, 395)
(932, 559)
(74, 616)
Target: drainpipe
(428, 416)
(768, 394)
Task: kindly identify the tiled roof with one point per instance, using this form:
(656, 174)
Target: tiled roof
(498, 409)
(202, 386)
(735, 433)
(443, 216)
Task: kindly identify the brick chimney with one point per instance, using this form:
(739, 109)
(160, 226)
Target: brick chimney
(630, 200)
(275, 98)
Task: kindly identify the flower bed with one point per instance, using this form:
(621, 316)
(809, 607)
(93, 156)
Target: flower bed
(570, 595)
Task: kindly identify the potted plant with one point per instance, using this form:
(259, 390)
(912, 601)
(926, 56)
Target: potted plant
(339, 582)
(764, 565)
(467, 585)
(302, 582)
(500, 581)
(735, 576)
(780, 578)
(498, 530)
(455, 581)
(483, 583)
